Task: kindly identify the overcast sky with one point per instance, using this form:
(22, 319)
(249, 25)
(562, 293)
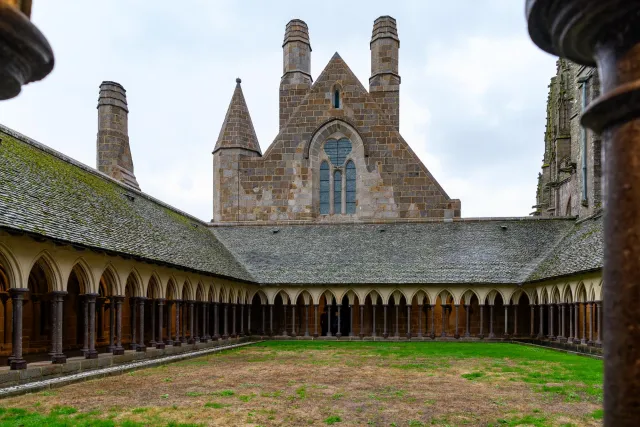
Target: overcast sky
(472, 104)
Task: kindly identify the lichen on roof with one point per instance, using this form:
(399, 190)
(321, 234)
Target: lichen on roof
(44, 193)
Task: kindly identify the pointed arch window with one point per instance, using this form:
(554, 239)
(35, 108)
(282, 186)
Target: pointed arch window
(324, 189)
(350, 187)
(336, 98)
(337, 179)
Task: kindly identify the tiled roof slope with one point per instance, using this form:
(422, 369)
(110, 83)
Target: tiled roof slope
(480, 251)
(237, 128)
(45, 193)
(580, 250)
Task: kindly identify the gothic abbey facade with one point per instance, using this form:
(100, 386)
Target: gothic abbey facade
(337, 230)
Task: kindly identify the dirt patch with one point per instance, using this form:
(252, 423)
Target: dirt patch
(261, 385)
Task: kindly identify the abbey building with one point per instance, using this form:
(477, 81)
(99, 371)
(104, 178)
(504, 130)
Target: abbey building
(336, 231)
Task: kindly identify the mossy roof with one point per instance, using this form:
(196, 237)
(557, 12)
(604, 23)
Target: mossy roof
(581, 249)
(45, 193)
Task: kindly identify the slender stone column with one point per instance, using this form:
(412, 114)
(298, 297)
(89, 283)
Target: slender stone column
(506, 321)
(264, 322)
(541, 331)
(160, 343)
(584, 323)
(561, 337)
(225, 322)
(533, 320)
(361, 309)
(216, 321)
(306, 320)
(443, 333)
(481, 335)
(17, 298)
(432, 307)
(133, 305)
(192, 334)
(118, 350)
(491, 334)
(315, 324)
(92, 353)
(421, 307)
(339, 332)
(350, 320)
(249, 330)
(515, 320)
(576, 322)
(112, 325)
(397, 322)
(204, 337)
(328, 319)
(169, 340)
(54, 331)
(141, 346)
(284, 316)
(373, 316)
(599, 340)
(408, 321)
(466, 328)
(152, 342)
(177, 342)
(551, 329)
(456, 335)
(184, 315)
(241, 320)
(59, 356)
(233, 323)
(384, 333)
(570, 337)
(85, 309)
(293, 320)
(591, 305)
(271, 320)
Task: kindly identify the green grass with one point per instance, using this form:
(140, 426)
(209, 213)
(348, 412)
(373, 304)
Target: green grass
(222, 393)
(473, 375)
(332, 419)
(216, 405)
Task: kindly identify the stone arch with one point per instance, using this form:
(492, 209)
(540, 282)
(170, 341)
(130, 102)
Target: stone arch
(200, 292)
(515, 296)
(330, 127)
(420, 296)
(336, 95)
(374, 295)
(555, 295)
(172, 289)
(187, 290)
(134, 283)
(261, 295)
(398, 293)
(351, 295)
(467, 295)
(286, 299)
(491, 296)
(154, 289)
(50, 268)
(305, 295)
(10, 268)
(544, 296)
(109, 284)
(581, 293)
(444, 296)
(210, 291)
(81, 271)
(567, 295)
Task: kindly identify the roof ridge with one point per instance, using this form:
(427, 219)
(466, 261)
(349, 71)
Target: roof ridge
(45, 148)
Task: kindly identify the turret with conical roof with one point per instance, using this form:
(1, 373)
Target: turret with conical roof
(237, 129)
(237, 141)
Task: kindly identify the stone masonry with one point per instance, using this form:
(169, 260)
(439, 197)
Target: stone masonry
(284, 183)
(113, 152)
(570, 183)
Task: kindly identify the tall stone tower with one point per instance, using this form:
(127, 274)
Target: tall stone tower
(384, 83)
(296, 78)
(237, 140)
(113, 151)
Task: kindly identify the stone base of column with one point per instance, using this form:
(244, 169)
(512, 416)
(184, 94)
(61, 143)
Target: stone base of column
(338, 335)
(432, 336)
(152, 343)
(481, 336)
(191, 341)
(216, 337)
(91, 354)
(169, 342)
(598, 344)
(456, 336)
(18, 364)
(204, 339)
(225, 337)
(361, 335)
(491, 335)
(315, 335)
(583, 341)
(408, 335)
(177, 343)
(467, 334)
(118, 351)
(293, 335)
(110, 348)
(562, 339)
(506, 336)
(141, 348)
(385, 335)
(58, 359)
(160, 345)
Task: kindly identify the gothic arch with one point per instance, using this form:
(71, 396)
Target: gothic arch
(581, 293)
(399, 292)
(81, 270)
(109, 280)
(420, 293)
(134, 283)
(172, 289)
(10, 267)
(283, 294)
(328, 293)
(200, 292)
(260, 294)
(306, 296)
(468, 294)
(330, 127)
(186, 290)
(154, 289)
(50, 268)
(375, 296)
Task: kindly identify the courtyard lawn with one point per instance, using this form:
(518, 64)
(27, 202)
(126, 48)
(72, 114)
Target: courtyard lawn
(335, 383)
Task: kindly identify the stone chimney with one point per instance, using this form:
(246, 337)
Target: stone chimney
(113, 152)
(296, 78)
(384, 83)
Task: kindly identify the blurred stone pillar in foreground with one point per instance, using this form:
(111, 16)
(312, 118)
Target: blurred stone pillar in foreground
(606, 33)
(25, 55)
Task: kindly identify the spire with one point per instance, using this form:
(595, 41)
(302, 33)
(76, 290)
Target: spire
(237, 129)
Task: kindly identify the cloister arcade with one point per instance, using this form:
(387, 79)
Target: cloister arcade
(58, 302)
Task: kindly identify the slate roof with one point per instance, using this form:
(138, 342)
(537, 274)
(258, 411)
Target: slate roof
(466, 251)
(237, 128)
(580, 250)
(43, 192)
